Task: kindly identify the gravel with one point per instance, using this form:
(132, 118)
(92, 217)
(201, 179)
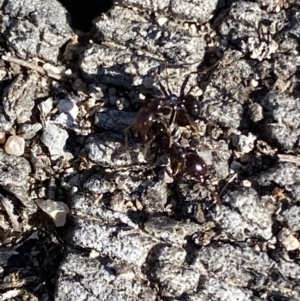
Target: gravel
(90, 211)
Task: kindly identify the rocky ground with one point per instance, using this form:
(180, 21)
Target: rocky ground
(83, 216)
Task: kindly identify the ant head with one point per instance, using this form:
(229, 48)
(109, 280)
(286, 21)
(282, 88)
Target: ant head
(173, 99)
(176, 102)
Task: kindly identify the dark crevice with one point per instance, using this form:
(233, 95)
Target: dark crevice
(84, 11)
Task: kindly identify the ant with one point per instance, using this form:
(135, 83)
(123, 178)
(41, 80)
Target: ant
(162, 116)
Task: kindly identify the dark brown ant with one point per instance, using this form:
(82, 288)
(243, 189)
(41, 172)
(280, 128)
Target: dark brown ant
(160, 117)
(190, 162)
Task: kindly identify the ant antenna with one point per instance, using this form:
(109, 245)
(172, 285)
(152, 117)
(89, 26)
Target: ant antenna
(165, 91)
(126, 133)
(200, 71)
(183, 86)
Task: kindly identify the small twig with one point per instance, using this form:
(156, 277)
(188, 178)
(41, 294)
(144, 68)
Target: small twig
(32, 66)
(227, 183)
(289, 158)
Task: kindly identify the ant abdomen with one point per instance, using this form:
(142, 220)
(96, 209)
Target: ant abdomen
(195, 167)
(189, 162)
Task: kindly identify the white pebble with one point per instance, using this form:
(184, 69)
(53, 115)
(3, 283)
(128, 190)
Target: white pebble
(57, 211)
(162, 21)
(15, 146)
(46, 106)
(49, 67)
(254, 83)
(288, 240)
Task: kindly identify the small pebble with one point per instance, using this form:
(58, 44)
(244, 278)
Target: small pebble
(15, 146)
(46, 106)
(254, 83)
(288, 240)
(161, 21)
(94, 254)
(57, 211)
(236, 166)
(244, 143)
(256, 112)
(55, 139)
(247, 183)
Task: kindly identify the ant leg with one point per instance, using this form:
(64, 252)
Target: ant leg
(183, 86)
(147, 146)
(161, 126)
(209, 128)
(171, 126)
(126, 142)
(177, 167)
(177, 159)
(172, 119)
(192, 124)
(167, 128)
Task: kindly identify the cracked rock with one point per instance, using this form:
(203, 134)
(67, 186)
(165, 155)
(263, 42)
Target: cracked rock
(55, 139)
(19, 101)
(243, 216)
(35, 29)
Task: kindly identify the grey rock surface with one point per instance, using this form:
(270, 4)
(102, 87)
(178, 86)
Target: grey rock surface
(14, 169)
(19, 100)
(114, 120)
(281, 116)
(192, 10)
(245, 216)
(105, 281)
(55, 139)
(232, 240)
(28, 131)
(140, 226)
(34, 28)
(5, 123)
